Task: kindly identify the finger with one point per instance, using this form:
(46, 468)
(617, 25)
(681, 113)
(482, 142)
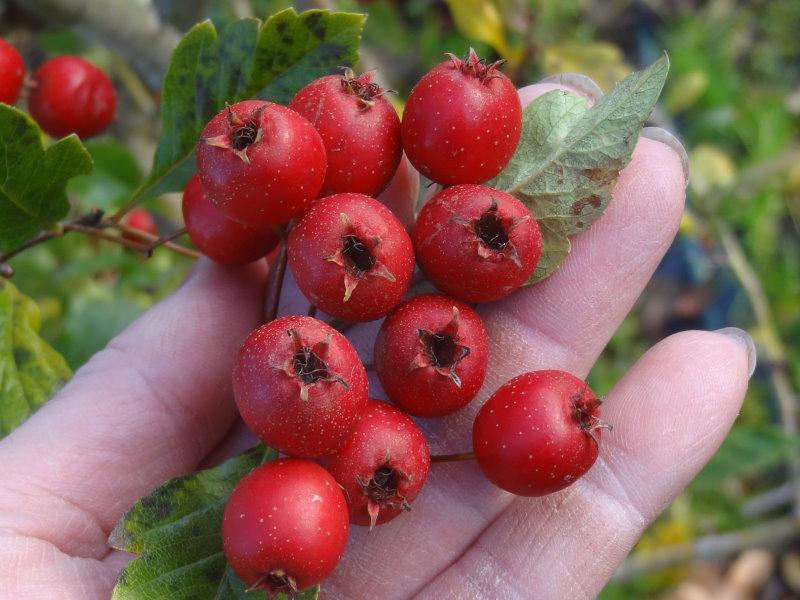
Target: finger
(563, 322)
(670, 412)
(401, 195)
(145, 409)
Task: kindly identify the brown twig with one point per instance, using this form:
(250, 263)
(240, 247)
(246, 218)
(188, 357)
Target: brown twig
(275, 283)
(452, 457)
(164, 239)
(81, 225)
(713, 547)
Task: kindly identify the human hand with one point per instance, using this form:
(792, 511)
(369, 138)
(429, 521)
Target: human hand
(157, 402)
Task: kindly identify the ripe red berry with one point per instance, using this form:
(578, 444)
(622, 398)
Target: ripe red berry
(71, 95)
(140, 219)
(476, 243)
(219, 237)
(538, 433)
(260, 163)
(299, 386)
(12, 73)
(431, 354)
(359, 128)
(351, 257)
(462, 121)
(285, 526)
(383, 466)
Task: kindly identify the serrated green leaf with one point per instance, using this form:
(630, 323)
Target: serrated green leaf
(30, 370)
(176, 532)
(32, 178)
(569, 157)
(269, 60)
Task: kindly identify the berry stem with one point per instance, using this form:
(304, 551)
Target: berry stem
(275, 283)
(164, 239)
(79, 225)
(312, 310)
(453, 457)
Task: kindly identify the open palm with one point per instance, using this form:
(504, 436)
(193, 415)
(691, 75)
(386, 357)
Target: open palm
(157, 402)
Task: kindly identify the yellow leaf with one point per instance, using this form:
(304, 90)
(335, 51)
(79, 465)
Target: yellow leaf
(601, 61)
(711, 168)
(685, 91)
(481, 20)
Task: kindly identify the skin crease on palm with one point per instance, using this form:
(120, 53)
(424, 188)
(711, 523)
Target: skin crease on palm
(157, 403)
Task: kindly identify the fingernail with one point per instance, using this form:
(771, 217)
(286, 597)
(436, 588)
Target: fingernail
(660, 134)
(746, 341)
(579, 82)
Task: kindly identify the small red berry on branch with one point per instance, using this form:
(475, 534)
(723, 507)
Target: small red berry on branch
(12, 73)
(285, 526)
(462, 121)
(139, 219)
(300, 386)
(71, 95)
(431, 354)
(382, 467)
(351, 257)
(260, 163)
(538, 433)
(476, 243)
(360, 130)
(217, 236)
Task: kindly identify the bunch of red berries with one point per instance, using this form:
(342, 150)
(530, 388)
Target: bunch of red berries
(309, 174)
(65, 95)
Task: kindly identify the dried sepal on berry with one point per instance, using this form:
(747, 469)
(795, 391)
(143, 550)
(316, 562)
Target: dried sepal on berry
(241, 134)
(357, 258)
(441, 350)
(307, 365)
(476, 66)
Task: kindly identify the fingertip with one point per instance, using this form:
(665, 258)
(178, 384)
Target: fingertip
(401, 195)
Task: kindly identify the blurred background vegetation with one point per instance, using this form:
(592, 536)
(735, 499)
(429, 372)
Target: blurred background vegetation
(733, 97)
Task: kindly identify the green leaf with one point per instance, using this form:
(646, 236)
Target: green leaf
(569, 157)
(270, 60)
(32, 178)
(176, 531)
(30, 370)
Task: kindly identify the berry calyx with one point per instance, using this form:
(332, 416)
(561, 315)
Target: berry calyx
(71, 95)
(285, 526)
(351, 257)
(382, 467)
(261, 164)
(359, 127)
(299, 385)
(431, 355)
(481, 231)
(476, 67)
(12, 73)
(462, 121)
(217, 236)
(538, 433)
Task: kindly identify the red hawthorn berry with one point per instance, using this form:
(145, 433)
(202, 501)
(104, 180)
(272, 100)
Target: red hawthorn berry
(140, 219)
(538, 433)
(260, 163)
(475, 243)
(71, 95)
(462, 121)
(431, 354)
(351, 257)
(12, 73)
(360, 130)
(219, 237)
(300, 386)
(285, 526)
(382, 467)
